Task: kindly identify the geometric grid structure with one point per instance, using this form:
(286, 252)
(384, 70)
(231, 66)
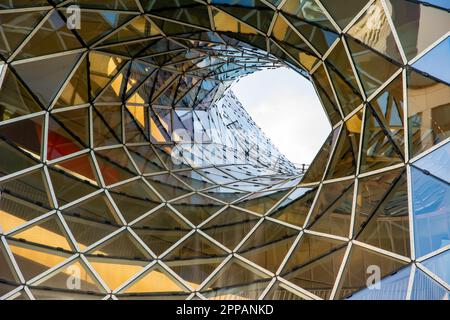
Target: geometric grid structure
(93, 205)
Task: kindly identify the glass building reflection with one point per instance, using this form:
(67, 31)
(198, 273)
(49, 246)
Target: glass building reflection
(128, 171)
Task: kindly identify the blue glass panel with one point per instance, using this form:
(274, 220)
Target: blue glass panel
(440, 3)
(431, 208)
(393, 287)
(440, 265)
(425, 288)
(435, 62)
(437, 162)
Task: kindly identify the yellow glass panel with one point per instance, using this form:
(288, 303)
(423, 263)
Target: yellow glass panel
(154, 281)
(42, 258)
(115, 274)
(226, 23)
(43, 235)
(138, 113)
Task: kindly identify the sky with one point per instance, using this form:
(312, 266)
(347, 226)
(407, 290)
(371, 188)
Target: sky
(285, 106)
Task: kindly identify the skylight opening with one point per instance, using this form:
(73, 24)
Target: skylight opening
(286, 108)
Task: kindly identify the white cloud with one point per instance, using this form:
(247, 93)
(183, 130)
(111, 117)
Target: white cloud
(286, 107)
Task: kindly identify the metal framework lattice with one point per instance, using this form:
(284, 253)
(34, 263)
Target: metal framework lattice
(93, 204)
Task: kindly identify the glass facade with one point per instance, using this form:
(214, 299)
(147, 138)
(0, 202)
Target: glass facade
(128, 171)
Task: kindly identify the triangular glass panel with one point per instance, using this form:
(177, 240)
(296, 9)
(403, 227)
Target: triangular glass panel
(6, 270)
(61, 140)
(374, 70)
(172, 28)
(15, 211)
(343, 14)
(97, 208)
(315, 267)
(438, 265)
(373, 29)
(329, 195)
(225, 194)
(197, 208)
(16, 160)
(135, 124)
(76, 91)
(121, 246)
(168, 186)
(137, 29)
(49, 232)
(114, 91)
(321, 39)
(68, 187)
(345, 156)
(161, 229)
(153, 281)
(308, 11)
(107, 125)
(34, 260)
(16, 27)
(388, 227)
(279, 292)
(224, 22)
(45, 85)
(430, 211)
(31, 187)
(428, 112)
(146, 159)
(437, 162)
(349, 98)
(236, 282)
(339, 63)
(268, 245)
(97, 24)
(115, 166)
(372, 191)
(428, 63)
(316, 170)
(326, 94)
(141, 74)
(134, 199)
(195, 246)
(257, 14)
(102, 69)
(193, 179)
(388, 106)
(262, 202)
(16, 100)
(108, 269)
(81, 167)
(165, 154)
(333, 217)
(74, 277)
(379, 150)
(86, 231)
(295, 208)
(194, 259)
(425, 288)
(392, 287)
(360, 261)
(409, 17)
(230, 227)
(53, 36)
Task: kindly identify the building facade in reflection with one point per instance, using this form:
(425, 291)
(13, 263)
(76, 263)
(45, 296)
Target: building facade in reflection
(128, 171)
